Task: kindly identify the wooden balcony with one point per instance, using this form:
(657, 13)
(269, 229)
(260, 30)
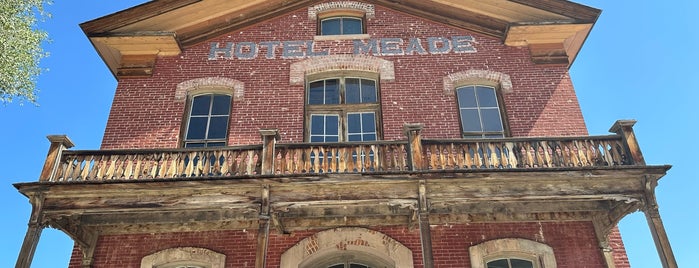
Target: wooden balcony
(378, 157)
(299, 186)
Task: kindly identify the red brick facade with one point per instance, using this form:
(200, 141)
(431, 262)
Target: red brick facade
(574, 244)
(145, 113)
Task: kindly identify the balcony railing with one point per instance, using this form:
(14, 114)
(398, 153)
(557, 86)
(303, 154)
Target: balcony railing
(413, 154)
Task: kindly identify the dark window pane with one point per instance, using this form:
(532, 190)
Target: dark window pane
(317, 139)
(354, 123)
(354, 137)
(467, 97)
(368, 122)
(469, 136)
(341, 265)
(491, 120)
(317, 125)
(351, 26)
(197, 128)
(215, 144)
(218, 127)
(517, 263)
(502, 263)
(221, 105)
(352, 92)
(470, 121)
(331, 139)
(368, 91)
(332, 91)
(369, 137)
(194, 145)
(330, 26)
(201, 105)
(316, 92)
(331, 125)
(495, 136)
(486, 97)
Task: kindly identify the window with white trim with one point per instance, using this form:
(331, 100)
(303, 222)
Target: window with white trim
(480, 112)
(342, 108)
(207, 120)
(510, 263)
(341, 25)
(512, 253)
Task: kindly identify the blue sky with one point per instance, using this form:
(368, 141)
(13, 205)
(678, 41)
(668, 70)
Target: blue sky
(638, 63)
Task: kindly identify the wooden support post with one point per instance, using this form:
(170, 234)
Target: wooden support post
(625, 129)
(263, 230)
(31, 238)
(602, 225)
(655, 223)
(425, 232)
(269, 138)
(412, 131)
(53, 158)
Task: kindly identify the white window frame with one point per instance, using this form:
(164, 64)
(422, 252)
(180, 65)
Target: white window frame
(540, 254)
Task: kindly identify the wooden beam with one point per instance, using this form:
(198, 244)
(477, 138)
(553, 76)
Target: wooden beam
(448, 15)
(570, 9)
(216, 26)
(31, 238)
(132, 15)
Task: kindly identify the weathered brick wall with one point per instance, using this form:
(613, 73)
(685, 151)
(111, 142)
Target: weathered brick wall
(573, 243)
(145, 113)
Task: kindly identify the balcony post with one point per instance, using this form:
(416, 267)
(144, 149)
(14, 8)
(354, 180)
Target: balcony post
(624, 128)
(59, 143)
(31, 238)
(655, 223)
(269, 141)
(413, 132)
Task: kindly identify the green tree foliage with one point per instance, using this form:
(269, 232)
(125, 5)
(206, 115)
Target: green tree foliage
(20, 48)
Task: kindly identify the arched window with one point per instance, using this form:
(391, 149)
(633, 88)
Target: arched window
(341, 25)
(512, 253)
(480, 112)
(510, 263)
(341, 18)
(351, 247)
(341, 108)
(207, 120)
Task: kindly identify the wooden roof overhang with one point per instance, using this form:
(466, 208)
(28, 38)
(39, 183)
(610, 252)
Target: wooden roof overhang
(601, 195)
(130, 40)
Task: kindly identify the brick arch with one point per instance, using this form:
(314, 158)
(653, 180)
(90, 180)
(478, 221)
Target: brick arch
(198, 256)
(367, 9)
(508, 247)
(477, 76)
(236, 88)
(352, 239)
(299, 70)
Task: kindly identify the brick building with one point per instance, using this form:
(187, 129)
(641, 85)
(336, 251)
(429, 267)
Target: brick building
(270, 133)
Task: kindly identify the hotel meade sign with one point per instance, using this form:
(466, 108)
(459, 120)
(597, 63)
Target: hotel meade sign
(376, 47)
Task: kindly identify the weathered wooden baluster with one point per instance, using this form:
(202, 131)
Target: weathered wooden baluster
(511, 155)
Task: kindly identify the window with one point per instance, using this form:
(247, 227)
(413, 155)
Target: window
(510, 263)
(341, 25)
(342, 109)
(480, 112)
(512, 253)
(207, 124)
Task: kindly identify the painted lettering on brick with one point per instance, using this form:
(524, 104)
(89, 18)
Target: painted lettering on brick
(297, 49)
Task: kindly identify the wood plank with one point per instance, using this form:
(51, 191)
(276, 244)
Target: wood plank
(132, 15)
